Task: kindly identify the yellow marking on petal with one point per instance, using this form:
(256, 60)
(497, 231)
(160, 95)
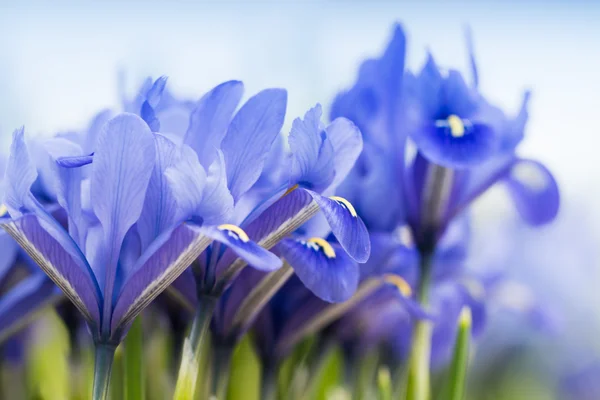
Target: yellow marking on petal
(290, 190)
(346, 203)
(324, 245)
(400, 283)
(235, 229)
(466, 319)
(457, 127)
(3, 210)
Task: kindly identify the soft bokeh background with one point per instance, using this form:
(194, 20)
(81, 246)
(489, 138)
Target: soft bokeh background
(60, 62)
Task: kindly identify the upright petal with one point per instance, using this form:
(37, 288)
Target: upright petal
(347, 143)
(153, 97)
(325, 269)
(346, 225)
(312, 152)
(166, 258)
(250, 136)
(19, 176)
(122, 167)
(534, 191)
(187, 181)
(210, 119)
(58, 256)
(217, 203)
(160, 205)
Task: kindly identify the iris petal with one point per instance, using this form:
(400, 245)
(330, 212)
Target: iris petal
(347, 143)
(346, 225)
(250, 136)
(20, 175)
(325, 269)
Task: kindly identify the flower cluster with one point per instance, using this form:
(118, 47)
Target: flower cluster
(353, 234)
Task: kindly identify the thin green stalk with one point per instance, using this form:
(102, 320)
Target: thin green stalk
(418, 384)
(221, 369)
(269, 383)
(134, 362)
(457, 376)
(188, 370)
(105, 354)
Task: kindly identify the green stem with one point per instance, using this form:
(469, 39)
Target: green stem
(105, 354)
(269, 383)
(221, 369)
(418, 384)
(134, 362)
(188, 370)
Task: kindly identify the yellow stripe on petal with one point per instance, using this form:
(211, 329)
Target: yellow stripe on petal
(457, 127)
(324, 245)
(290, 190)
(345, 203)
(3, 210)
(400, 283)
(235, 229)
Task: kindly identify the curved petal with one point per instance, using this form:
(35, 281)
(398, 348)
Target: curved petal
(74, 161)
(122, 167)
(187, 180)
(164, 260)
(534, 191)
(19, 176)
(217, 203)
(58, 256)
(312, 164)
(250, 136)
(346, 225)
(325, 269)
(210, 118)
(23, 301)
(152, 99)
(237, 240)
(347, 143)
(160, 205)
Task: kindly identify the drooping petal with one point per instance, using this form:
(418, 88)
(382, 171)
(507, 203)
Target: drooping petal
(346, 225)
(68, 184)
(456, 143)
(238, 241)
(312, 164)
(123, 163)
(19, 176)
(347, 144)
(534, 191)
(58, 256)
(160, 205)
(276, 222)
(325, 269)
(20, 304)
(250, 136)
(210, 119)
(187, 181)
(164, 260)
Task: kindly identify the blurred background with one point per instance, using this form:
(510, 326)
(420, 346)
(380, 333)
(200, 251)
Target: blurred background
(61, 62)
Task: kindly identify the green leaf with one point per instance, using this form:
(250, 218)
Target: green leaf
(328, 375)
(384, 383)
(457, 373)
(245, 372)
(134, 361)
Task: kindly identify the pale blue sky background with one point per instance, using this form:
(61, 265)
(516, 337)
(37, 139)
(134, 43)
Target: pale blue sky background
(59, 62)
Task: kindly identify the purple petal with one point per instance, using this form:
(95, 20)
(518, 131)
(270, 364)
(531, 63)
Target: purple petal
(346, 225)
(19, 176)
(58, 256)
(325, 269)
(22, 301)
(75, 161)
(217, 203)
(347, 143)
(312, 152)
(9, 250)
(164, 260)
(122, 167)
(250, 136)
(160, 205)
(238, 241)
(534, 191)
(210, 119)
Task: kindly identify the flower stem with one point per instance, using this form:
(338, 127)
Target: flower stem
(269, 382)
(134, 363)
(418, 385)
(105, 354)
(221, 368)
(188, 370)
